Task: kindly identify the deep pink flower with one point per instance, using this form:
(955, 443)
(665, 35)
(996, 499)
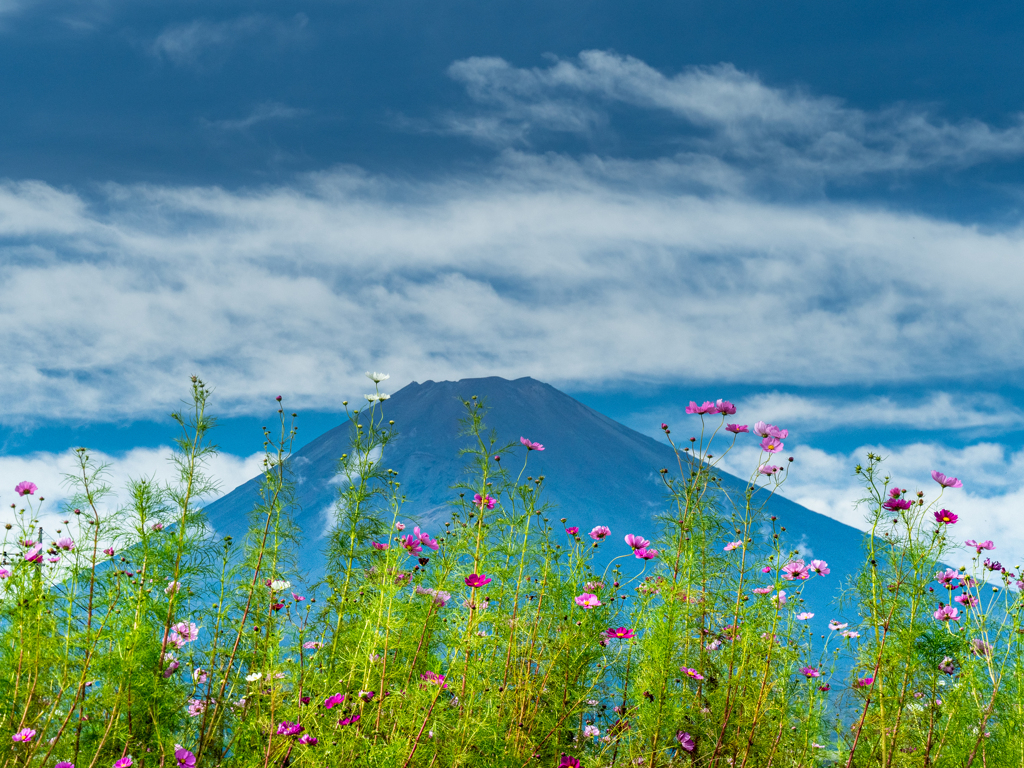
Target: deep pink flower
(945, 517)
(485, 500)
(766, 569)
(568, 762)
(124, 762)
(685, 741)
(946, 482)
(947, 613)
(587, 601)
(770, 430)
(864, 682)
(477, 580)
(636, 542)
(379, 546)
(772, 445)
(820, 567)
(947, 577)
(809, 672)
(599, 532)
(109, 551)
(25, 734)
(185, 758)
(531, 446)
(354, 718)
(287, 728)
(980, 545)
(333, 700)
(35, 555)
(309, 741)
(707, 407)
(157, 526)
(424, 538)
(297, 598)
(646, 554)
(622, 633)
(737, 428)
(724, 406)
(795, 570)
(412, 544)
(64, 764)
(895, 505)
(25, 488)
(967, 601)
(273, 607)
(691, 673)
(572, 530)
(434, 678)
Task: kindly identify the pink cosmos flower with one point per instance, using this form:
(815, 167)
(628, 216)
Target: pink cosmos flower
(196, 707)
(124, 762)
(355, 718)
(622, 633)
(849, 635)
(947, 613)
(809, 672)
(334, 700)
(864, 682)
(287, 728)
(691, 673)
(186, 631)
(35, 555)
(947, 577)
(66, 544)
(591, 731)
(312, 645)
(762, 590)
(25, 488)
(766, 569)
(768, 469)
(425, 538)
(157, 526)
(572, 530)
(820, 567)
(772, 445)
(725, 407)
(4, 573)
(109, 551)
(399, 527)
(946, 482)
(53, 559)
(686, 741)
(795, 570)
(780, 598)
(25, 734)
(587, 601)
(568, 762)
(412, 544)
(636, 542)
(835, 625)
(646, 554)
(485, 500)
(732, 545)
(64, 764)
(945, 517)
(531, 446)
(770, 430)
(309, 741)
(737, 428)
(980, 545)
(434, 678)
(707, 407)
(895, 504)
(475, 580)
(599, 532)
(967, 601)
(804, 616)
(185, 758)
(379, 546)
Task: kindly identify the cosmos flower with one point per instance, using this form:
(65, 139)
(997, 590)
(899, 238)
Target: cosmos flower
(795, 570)
(278, 585)
(568, 762)
(477, 580)
(25, 734)
(531, 446)
(185, 758)
(621, 633)
(587, 601)
(379, 546)
(707, 407)
(947, 613)
(35, 555)
(599, 532)
(485, 500)
(591, 731)
(820, 567)
(109, 551)
(287, 728)
(980, 545)
(309, 741)
(377, 378)
(66, 544)
(967, 601)
(804, 616)
(312, 645)
(685, 741)
(772, 445)
(646, 554)
(836, 626)
(572, 530)
(732, 545)
(334, 700)
(725, 407)
(424, 538)
(124, 762)
(946, 482)
(768, 469)
(945, 517)
(864, 682)
(412, 544)
(691, 673)
(252, 678)
(761, 590)
(770, 430)
(810, 672)
(434, 679)
(737, 428)
(25, 488)
(636, 542)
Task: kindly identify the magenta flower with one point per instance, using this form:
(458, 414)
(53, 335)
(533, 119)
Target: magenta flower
(978, 546)
(646, 554)
(309, 741)
(485, 500)
(809, 672)
(766, 569)
(770, 430)
(25, 734)
(287, 728)
(768, 469)
(424, 538)
(772, 445)
(379, 546)
(196, 707)
(691, 673)
(732, 545)
(568, 762)
(434, 679)
(4, 573)
(947, 613)
(185, 758)
(795, 570)
(109, 551)
(124, 762)
(572, 530)
(622, 633)
(586, 601)
(25, 488)
(531, 446)
(707, 407)
(412, 544)
(599, 532)
(946, 482)
(945, 517)
(35, 555)
(332, 701)
(864, 682)
(157, 526)
(967, 601)
(477, 580)
(725, 407)
(64, 764)
(895, 504)
(354, 718)
(820, 567)
(686, 741)
(636, 542)
(947, 577)
(737, 428)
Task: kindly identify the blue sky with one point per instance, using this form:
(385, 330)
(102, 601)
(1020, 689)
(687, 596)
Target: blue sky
(812, 209)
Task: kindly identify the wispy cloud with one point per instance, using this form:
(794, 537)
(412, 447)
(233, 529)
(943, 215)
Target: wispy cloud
(722, 112)
(201, 41)
(269, 110)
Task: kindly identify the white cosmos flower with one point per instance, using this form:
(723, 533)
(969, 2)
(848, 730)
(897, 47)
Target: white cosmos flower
(254, 677)
(377, 378)
(277, 586)
(372, 398)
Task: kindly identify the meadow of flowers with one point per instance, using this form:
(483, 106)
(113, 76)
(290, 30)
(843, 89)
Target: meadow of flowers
(138, 637)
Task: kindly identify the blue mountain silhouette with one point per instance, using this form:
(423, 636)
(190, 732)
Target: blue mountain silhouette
(597, 472)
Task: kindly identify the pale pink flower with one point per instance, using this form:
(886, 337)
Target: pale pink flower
(820, 567)
(947, 577)
(770, 430)
(795, 570)
(762, 590)
(980, 545)
(399, 527)
(780, 598)
(946, 482)
(736, 428)
(768, 469)
(849, 634)
(531, 446)
(587, 601)
(966, 600)
(26, 488)
(835, 625)
(691, 673)
(804, 616)
(772, 445)
(947, 613)
(733, 545)
(646, 554)
(599, 532)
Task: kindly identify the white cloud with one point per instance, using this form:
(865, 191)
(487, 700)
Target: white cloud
(195, 42)
(729, 113)
(49, 470)
(269, 110)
